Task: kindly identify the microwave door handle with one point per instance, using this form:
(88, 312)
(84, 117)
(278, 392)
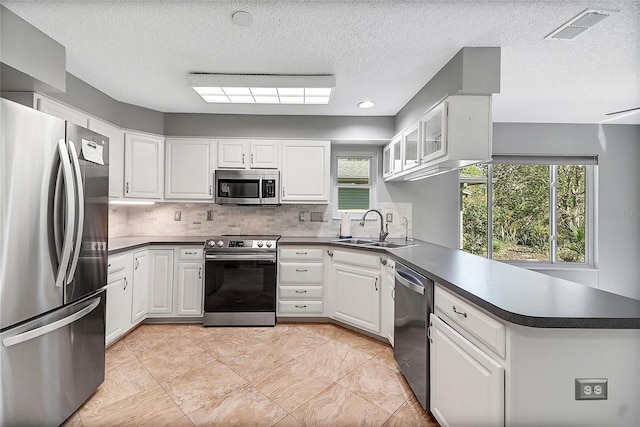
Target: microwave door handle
(260, 189)
(80, 217)
(70, 213)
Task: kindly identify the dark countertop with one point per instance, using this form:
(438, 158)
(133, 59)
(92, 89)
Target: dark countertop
(514, 294)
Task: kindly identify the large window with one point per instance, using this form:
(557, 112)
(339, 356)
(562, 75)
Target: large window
(354, 183)
(529, 210)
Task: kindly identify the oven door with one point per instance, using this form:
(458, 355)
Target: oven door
(240, 289)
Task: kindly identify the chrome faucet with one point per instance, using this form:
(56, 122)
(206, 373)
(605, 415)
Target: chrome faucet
(406, 230)
(383, 233)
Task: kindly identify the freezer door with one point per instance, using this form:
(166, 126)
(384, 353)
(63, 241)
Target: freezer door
(87, 270)
(30, 177)
(51, 365)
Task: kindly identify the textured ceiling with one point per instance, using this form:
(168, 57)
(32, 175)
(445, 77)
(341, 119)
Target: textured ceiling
(141, 52)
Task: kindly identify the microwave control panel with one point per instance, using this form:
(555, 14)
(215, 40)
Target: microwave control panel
(269, 188)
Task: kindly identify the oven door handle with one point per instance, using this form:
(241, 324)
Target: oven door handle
(241, 257)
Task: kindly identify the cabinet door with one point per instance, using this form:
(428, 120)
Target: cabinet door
(116, 155)
(118, 315)
(410, 148)
(190, 289)
(61, 111)
(467, 386)
(388, 300)
(143, 166)
(140, 286)
(264, 154)
(232, 154)
(189, 169)
(305, 171)
(160, 281)
(357, 296)
(433, 134)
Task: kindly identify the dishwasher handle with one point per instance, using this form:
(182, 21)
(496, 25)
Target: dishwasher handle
(406, 281)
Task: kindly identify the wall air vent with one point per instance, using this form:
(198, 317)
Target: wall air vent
(579, 24)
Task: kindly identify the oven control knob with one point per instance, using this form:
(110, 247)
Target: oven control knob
(220, 243)
(211, 243)
(268, 244)
(260, 244)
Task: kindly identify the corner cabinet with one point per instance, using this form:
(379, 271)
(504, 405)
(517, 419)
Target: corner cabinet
(189, 165)
(143, 166)
(356, 289)
(305, 174)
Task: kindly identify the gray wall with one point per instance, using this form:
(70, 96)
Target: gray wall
(618, 203)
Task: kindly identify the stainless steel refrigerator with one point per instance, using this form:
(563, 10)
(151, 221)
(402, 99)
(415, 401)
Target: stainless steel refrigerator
(54, 179)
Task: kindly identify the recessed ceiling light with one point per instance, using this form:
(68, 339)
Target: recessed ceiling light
(242, 18)
(366, 104)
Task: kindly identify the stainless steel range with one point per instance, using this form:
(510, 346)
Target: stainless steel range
(240, 280)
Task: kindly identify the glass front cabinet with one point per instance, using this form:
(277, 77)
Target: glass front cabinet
(410, 148)
(392, 156)
(433, 138)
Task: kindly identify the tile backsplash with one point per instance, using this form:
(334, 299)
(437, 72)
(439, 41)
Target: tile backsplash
(159, 219)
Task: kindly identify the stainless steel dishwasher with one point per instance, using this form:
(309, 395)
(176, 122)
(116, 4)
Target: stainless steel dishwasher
(413, 304)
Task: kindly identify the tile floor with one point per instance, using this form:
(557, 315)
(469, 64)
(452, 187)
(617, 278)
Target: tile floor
(293, 374)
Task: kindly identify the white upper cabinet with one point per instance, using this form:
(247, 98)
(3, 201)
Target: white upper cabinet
(392, 156)
(247, 154)
(143, 166)
(410, 148)
(61, 111)
(305, 172)
(189, 165)
(116, 155)
(456, 132)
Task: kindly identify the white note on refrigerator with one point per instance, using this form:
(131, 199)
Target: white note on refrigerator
(92, 152)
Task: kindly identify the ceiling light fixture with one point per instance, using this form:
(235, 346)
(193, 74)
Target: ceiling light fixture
(263, 88)
(366, 104)
(579, 24)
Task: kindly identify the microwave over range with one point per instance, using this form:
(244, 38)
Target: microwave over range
(247, 187)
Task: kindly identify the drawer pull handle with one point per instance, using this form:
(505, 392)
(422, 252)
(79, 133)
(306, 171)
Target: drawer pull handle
(330, 253)
(301, 306)
(301, 292)
(383, 261)
(190, 253)
(301, 253)
(301, 270)
(460, 313)
(126, 283)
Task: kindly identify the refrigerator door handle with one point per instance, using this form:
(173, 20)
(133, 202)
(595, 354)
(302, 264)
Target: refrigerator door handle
(71, 213)
(80, 219)
(43, 330)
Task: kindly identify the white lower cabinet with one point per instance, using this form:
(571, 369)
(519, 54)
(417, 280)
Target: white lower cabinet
(190, 288)
(140, 296)
(467, 386)
(356, 289)
(160, 281)
(119, 293)
(301, 282)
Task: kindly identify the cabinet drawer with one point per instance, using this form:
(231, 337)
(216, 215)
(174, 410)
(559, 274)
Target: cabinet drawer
(300, 307)
(356, 258)
(297, 273)
(116, 263)
(470, 321)
(301, 254)
(191, 254)
(300, 292)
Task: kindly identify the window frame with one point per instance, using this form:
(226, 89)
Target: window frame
(373, 182)
(591, 176)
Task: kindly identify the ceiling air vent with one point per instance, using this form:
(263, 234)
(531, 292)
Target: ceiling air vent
(579, 24)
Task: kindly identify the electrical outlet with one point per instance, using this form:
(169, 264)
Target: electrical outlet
(591, 388)
(389, 217)
(209, 215)
(302, 216)
(177, 216)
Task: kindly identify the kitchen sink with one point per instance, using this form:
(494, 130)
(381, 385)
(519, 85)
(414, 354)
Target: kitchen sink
(364, 242)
